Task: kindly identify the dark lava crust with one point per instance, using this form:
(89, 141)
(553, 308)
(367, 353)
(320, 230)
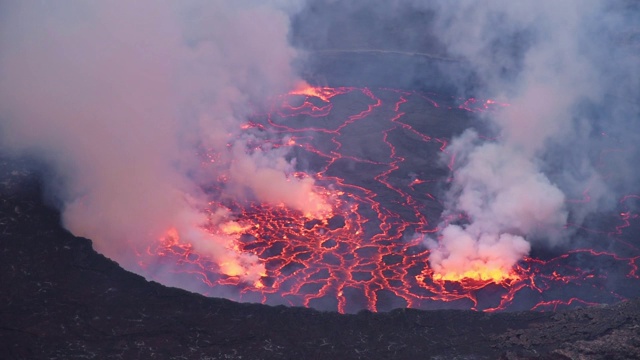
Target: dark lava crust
(59, 299)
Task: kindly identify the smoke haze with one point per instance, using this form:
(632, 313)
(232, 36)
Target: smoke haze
(569, 72)
(540, 57)
(117, 97)
(122, 99)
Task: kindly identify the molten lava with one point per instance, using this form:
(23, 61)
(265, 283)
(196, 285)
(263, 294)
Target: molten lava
(323, 93)
(495, 275)
(373, 156)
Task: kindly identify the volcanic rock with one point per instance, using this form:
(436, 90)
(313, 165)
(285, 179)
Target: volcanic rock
(59, 299)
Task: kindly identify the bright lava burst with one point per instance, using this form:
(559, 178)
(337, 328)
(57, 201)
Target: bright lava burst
(482, 274)
(375, 153)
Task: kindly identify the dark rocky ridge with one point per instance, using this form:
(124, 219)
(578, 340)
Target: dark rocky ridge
(59, 299)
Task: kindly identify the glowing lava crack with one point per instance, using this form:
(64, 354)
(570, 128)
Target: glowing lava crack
(375, 155)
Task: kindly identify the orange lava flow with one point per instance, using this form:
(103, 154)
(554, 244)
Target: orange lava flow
(323, 93)
(490, 275)
(373, 155)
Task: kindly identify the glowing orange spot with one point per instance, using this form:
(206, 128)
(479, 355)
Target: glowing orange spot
(172, 235)
(323, 93)
(495, 275)
(233, 227)
(318, 205)
(231, 269)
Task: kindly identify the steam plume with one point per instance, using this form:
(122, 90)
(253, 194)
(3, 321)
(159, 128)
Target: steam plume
(117, 97)
(544, 58)
(265, 172)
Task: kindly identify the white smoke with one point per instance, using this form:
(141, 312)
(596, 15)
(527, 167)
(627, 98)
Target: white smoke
(542, 58)
(117, 96)
(266, 172)
(506, 197)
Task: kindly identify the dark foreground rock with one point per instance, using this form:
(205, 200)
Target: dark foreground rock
(59, 299)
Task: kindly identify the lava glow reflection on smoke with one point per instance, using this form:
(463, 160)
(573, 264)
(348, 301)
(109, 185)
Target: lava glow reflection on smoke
(496, 275)
(364, 247)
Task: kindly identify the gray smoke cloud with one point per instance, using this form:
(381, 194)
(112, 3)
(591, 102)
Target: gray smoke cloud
(546, 60)
(569, 71)
(120, 97)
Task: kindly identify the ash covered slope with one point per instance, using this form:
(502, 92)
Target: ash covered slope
(60, 299)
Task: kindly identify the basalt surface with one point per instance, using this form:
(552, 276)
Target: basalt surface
(59, 299)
